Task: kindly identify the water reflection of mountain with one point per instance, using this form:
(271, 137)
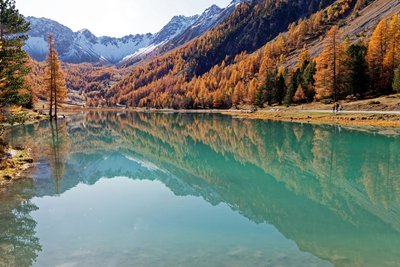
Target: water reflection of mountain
(330, 191)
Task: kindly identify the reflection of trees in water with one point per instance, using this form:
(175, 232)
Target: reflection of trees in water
(312, 182)
(50, 141)
(332, 190)
(317, 161)
(19, 246)
(58, 153)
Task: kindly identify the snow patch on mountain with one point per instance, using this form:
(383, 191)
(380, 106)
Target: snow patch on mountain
(177, 25)
(142, 52)
(208, 18)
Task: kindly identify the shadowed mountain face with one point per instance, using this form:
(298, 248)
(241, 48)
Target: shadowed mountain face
(334, 192)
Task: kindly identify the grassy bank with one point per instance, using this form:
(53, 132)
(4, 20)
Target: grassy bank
(14, 161)
(349, 119)
(378, 112)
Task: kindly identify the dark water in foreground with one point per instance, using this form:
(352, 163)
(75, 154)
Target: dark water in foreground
(202, 190)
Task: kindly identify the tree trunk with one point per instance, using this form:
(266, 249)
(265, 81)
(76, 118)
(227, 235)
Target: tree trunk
(334, 70)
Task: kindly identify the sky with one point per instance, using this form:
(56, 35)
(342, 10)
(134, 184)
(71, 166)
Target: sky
(114, 18)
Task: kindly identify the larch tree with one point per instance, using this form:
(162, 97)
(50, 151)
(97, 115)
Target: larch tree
(329, 67)
(238, 94)
(303, 56)
(54, 79)
(252, 90)
(392, 56)
(377, 48)
(13, 29)
(299, 96)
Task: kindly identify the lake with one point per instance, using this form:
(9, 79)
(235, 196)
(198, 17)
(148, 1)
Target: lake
(149, 189)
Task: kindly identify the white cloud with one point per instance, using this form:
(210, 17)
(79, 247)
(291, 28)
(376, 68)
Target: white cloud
(117, 17)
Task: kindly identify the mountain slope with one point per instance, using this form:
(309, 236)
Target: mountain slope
(359, 26)
(209, 19)
(248, 28)
(216, 71)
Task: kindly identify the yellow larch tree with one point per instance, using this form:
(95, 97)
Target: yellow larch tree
(392, 56)
(303, 56)
(54, 78)
(330, 66)
(377, 49)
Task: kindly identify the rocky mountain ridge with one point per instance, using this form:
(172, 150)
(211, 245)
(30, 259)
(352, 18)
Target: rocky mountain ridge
(84, 46)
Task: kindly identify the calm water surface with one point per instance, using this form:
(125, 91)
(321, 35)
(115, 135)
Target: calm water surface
(133, 189)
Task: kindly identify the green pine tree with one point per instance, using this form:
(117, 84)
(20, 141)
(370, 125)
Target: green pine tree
(13, 29)
(260, 97)
(270, 86)
(292, 87)
(396, 80)
(358, 75)
(280, 89)
(308, 81)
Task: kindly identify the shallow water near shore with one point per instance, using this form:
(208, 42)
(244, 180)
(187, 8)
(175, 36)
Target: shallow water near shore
(138, 189)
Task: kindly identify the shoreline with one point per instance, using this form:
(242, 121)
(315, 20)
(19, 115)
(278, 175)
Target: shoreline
(357, 118)
(19, 159)
(315, 117)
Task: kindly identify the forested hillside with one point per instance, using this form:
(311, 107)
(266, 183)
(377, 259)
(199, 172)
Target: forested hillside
(236, 63)
(247, 29)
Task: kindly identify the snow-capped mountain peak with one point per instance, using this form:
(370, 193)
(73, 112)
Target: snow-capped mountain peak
(177, 25)
(208, 17)
(84, 46)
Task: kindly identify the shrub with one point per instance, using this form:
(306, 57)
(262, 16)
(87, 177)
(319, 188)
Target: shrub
(15, 115)
(327, 101)
(350, 98)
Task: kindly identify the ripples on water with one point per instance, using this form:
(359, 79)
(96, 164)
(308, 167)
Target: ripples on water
(137, 189)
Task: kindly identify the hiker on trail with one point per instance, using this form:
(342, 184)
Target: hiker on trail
(334, 108)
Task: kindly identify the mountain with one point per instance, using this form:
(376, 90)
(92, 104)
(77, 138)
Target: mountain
(211, 17)
(177, 25)
(83, 46)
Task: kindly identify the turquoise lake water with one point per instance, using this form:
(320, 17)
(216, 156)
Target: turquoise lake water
(138, 189)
